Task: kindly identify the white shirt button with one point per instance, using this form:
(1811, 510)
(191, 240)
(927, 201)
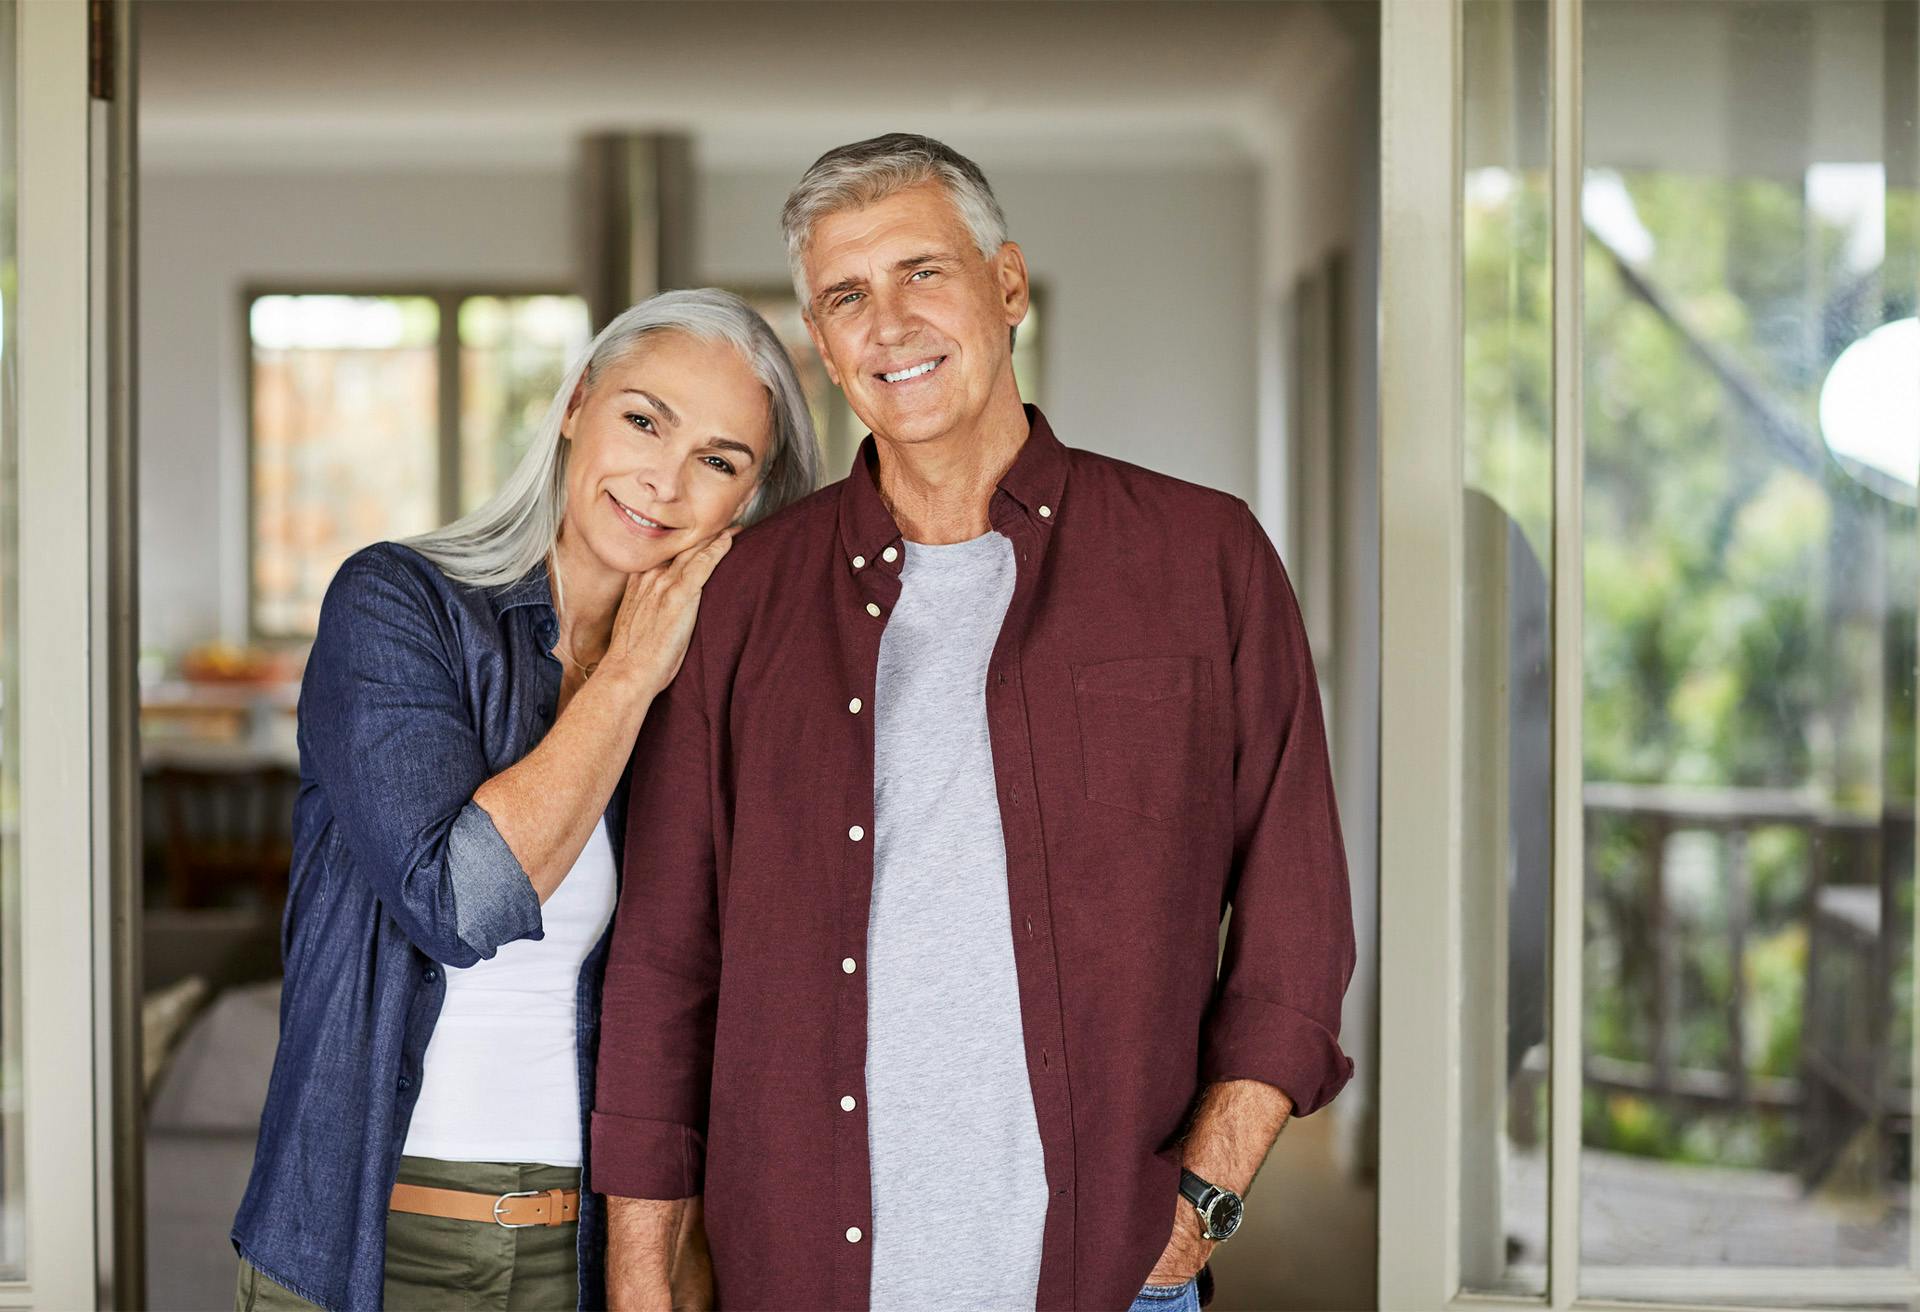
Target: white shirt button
(853, 1234)
(854, 706)
(847, 1103)
(890, 555)
(1046, 512)
(873, 610)
(859, 562)
(856, 833)
(846, 965)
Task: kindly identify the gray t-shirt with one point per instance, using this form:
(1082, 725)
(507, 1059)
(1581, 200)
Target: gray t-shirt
(959, 1182)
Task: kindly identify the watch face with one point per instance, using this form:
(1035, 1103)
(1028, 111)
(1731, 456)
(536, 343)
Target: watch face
(1223, 1218)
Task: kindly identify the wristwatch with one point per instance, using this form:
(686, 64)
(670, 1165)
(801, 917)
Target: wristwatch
(1220, 1209)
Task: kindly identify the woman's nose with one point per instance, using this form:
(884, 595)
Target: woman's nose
(662, 479)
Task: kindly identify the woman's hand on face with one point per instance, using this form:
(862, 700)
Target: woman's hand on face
(655, 620)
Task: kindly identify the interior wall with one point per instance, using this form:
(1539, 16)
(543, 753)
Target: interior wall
(1148, 353)
(204, 238)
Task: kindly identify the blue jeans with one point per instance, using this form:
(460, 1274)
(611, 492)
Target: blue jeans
(1168, 1298)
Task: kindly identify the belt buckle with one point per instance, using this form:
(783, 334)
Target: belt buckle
(501, 1202)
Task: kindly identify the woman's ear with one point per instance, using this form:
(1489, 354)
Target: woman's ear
(573, 408)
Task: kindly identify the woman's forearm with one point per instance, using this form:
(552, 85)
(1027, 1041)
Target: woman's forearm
(547, 804)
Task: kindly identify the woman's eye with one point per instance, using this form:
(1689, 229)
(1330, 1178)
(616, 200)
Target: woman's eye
(719, 463)
(644, 422)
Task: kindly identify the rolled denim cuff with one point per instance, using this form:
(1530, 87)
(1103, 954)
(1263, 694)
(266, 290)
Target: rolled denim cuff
(493, 900)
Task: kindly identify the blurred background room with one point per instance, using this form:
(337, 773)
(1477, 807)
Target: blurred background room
(1566, 348)
(370, 235)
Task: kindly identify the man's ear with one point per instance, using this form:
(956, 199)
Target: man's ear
(1010, 276)
(820, 348)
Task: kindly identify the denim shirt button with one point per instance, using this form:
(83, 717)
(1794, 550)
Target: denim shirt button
(430, 975)
(405, 1084)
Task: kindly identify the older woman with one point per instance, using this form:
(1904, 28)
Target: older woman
(468, 713)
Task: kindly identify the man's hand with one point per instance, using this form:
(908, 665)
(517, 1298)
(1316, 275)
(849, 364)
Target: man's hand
(1186, 1252)
(657, 1258)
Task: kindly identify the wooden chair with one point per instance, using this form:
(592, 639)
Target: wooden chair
(225, 829)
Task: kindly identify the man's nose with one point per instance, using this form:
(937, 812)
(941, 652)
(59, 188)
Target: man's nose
(892, 324)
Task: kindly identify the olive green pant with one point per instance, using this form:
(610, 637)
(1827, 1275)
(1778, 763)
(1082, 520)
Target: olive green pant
(437, 1265)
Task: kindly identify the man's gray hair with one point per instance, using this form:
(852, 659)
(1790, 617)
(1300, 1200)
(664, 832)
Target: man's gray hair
(866, 172)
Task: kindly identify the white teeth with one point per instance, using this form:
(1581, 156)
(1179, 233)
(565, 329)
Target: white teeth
(914, 372)
(638, 518)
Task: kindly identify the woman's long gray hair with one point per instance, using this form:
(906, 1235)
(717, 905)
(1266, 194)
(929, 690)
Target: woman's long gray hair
(504, 539)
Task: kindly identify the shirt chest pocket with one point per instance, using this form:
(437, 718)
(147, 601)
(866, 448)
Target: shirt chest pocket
(1142, 724)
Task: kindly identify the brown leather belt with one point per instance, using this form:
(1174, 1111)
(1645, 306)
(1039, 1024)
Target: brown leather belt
(514, 1211)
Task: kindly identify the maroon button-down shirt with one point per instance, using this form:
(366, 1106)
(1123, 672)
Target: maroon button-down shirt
(1160, 756)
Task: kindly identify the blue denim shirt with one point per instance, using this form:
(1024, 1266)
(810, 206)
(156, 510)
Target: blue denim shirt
(417, 691)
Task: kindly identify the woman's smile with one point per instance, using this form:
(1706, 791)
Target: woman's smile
(639, 523)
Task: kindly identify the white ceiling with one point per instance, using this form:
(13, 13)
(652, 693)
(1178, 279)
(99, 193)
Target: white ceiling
(325, 83)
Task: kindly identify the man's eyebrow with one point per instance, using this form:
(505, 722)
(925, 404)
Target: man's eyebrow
(915, 261)
(729, 444)
(899, 266)
(844, 285)
(665, 410)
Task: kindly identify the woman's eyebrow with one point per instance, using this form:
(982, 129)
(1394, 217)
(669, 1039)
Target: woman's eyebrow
(728, 444)
(666, 411)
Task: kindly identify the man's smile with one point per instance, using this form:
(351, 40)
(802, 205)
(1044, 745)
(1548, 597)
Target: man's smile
(908, 373)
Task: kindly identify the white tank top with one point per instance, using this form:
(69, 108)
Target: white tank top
(501, 1078)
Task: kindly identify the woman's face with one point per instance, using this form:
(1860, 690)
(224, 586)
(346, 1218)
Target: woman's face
(669, 444)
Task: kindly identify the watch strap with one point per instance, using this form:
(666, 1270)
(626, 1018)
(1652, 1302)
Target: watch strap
(1193, 1188)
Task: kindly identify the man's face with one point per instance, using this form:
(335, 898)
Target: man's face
(909, 317)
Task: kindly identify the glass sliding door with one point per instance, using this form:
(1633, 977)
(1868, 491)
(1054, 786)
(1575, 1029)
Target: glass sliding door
(1751, 451)
(1507, 565)
(1651, 624)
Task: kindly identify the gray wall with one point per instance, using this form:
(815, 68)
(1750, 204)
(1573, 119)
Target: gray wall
(1150, 346)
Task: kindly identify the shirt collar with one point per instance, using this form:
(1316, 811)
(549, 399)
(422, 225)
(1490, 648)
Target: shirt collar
(1035, 482)
(531, 589)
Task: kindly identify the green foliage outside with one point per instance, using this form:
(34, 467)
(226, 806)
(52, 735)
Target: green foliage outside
(1748, 609)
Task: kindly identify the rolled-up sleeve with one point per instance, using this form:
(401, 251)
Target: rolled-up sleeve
(394, 749)
(660, 1000)
(1290, 944)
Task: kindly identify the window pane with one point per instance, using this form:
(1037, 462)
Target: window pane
(1507, 688)
(1753, 436)
(13, 1224)
(513, 352)
(345, 441)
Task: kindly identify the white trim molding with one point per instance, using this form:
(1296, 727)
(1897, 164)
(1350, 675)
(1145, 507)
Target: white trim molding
(1420, 651)
(56, 738)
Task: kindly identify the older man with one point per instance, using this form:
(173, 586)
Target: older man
(912, 1000)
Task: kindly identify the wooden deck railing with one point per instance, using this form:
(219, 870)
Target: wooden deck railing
(1848, 1080)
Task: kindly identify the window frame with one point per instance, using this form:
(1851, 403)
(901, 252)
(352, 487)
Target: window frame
(447, 297)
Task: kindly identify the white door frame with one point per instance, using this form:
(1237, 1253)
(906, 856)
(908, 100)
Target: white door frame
(56, 716)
